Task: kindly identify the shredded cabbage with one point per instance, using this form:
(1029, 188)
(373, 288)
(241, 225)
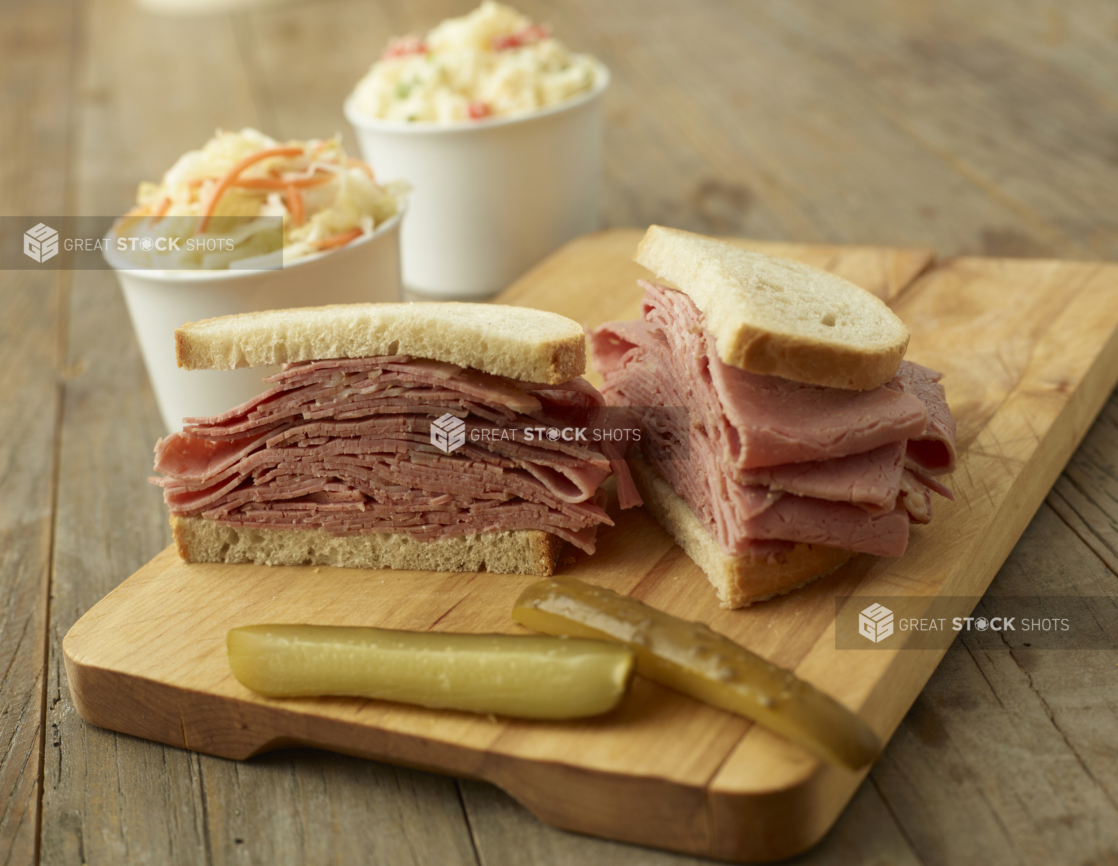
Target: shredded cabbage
(324, 200)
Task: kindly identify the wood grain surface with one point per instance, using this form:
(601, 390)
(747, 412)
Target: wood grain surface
(969, 129)
(1029, 352)
(33, 175)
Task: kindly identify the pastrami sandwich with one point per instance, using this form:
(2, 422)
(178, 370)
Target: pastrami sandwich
(806, 438)
(396, 436)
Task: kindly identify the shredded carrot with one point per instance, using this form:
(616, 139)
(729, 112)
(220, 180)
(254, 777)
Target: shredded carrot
(339, 240)
(295, 205)
(160, 209)
(280, 183)
(227, 180)
(364, 166)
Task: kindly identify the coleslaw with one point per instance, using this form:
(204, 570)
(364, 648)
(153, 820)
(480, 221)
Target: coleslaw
(492, 62)
(324, 200)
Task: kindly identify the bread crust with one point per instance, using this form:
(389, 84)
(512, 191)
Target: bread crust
(739, 581)
(523, 551)
(778, 317)
(805, 360)
(517, 342)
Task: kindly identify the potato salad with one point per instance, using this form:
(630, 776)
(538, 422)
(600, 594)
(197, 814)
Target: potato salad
(493, 62)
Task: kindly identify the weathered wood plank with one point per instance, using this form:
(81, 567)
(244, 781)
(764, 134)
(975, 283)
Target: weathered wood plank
(98, 787)
(507, 834)
(961, 86)
(28, 435)
(305, 806)
(292, 807)
(762, 154)
(149, 89)
(723, 123)
(1008, 755)
(1086, 496)
(36, 44)
(344, 45)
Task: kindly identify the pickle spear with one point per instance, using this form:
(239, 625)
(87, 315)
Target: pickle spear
(693, 659)
(526, 676)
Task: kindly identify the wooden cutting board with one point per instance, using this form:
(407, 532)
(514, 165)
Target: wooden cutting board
(1030, 352)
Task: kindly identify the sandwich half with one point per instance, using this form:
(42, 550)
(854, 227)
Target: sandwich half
(405, 436)
(769, 480)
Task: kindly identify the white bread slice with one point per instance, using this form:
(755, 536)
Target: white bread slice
(524, 551)
(778, 317)
(739, 581)
(518, 342)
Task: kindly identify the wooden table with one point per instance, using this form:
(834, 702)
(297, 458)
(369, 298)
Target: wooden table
(988, 129)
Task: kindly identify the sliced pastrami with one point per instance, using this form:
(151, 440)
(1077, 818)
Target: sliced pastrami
(871, 479)
(760, 458)
(344, 446)
(933, 451)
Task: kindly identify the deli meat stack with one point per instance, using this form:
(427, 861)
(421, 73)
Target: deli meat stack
(766, 462)
(344, 446)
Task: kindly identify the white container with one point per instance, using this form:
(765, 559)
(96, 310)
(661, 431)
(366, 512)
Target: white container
(491, 197)
(365, 271)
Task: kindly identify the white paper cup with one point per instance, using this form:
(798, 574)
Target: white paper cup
(491, 197)
(365, 271)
